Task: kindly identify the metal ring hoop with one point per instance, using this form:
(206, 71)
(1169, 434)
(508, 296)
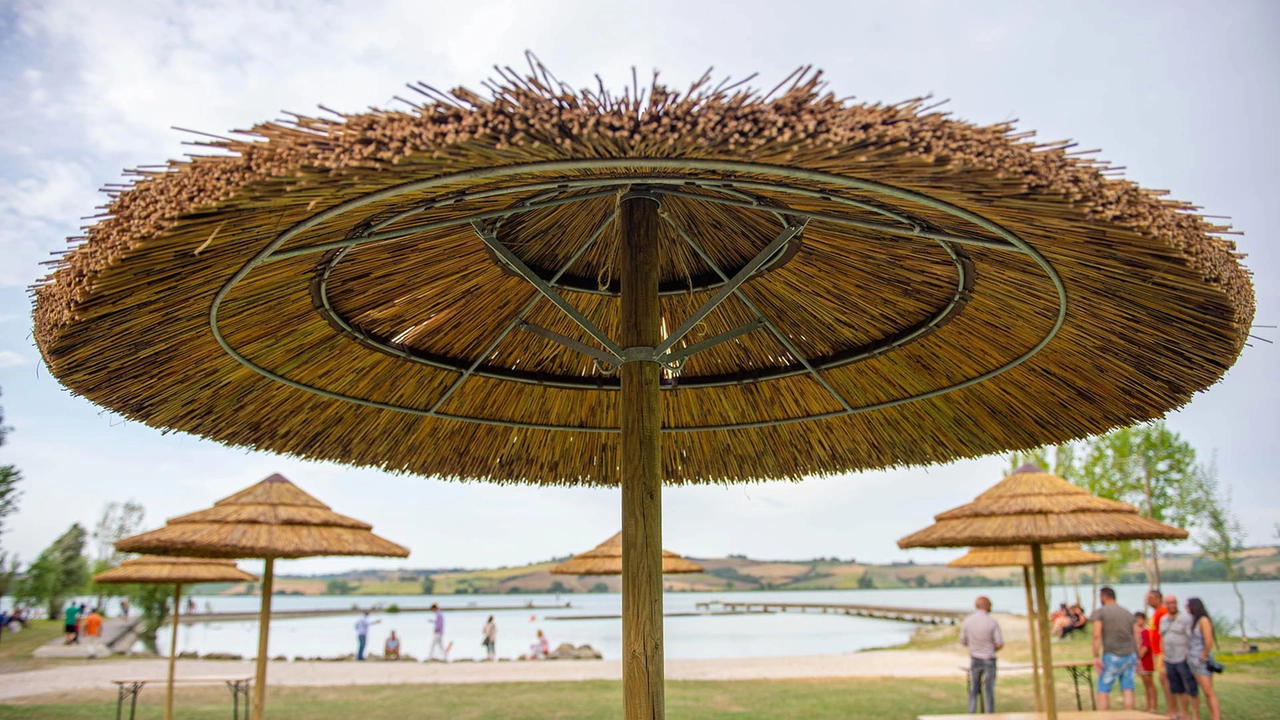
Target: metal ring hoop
(627, 169)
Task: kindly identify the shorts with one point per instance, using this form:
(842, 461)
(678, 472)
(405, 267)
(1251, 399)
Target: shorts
(69, 628)
(1181, 681)
(1158, 662)
(1198, 667)
(1117, 667)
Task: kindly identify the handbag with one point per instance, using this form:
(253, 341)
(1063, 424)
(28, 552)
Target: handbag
(1213, 665)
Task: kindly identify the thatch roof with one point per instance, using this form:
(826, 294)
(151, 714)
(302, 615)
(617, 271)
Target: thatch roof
(274, 518)
(1033, 506)
(606, 559)
(151, 569)
(1020, 555)
(958, 290)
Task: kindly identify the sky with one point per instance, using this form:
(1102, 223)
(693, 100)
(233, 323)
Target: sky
(1183, 95)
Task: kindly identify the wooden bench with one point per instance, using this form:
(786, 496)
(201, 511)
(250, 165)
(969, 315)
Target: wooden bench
(239, 686)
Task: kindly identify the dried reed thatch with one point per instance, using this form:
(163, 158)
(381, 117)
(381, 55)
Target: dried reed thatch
(886, 343)
(152, 569)
(606, 559)
(1020, 556)
(272, 519)
(1033, 506)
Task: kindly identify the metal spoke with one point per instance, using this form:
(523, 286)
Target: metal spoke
(752, 307)
(684, 352)
(568, 342)
(517, 265)
(731, 285)
(519, 318)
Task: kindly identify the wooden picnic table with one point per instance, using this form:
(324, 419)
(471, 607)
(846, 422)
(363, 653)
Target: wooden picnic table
(239, 687)
(1080, 670)
(1068, 715)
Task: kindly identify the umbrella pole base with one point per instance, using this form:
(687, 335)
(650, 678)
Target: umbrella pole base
(642, 661)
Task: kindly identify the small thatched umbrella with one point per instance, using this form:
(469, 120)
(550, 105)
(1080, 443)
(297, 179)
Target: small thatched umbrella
(1054, 555)
(1036, 508)
(273, 519)
(719, 285)
(606, 559)
(176, 571)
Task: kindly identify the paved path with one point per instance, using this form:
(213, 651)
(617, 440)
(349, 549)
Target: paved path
(875, 663)
(112, 628)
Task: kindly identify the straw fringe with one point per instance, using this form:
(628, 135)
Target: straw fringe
(1159, 306)
(606, 559)
(1058, 554)
(150, 569)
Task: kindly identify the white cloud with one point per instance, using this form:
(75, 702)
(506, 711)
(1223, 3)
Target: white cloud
(9, 358)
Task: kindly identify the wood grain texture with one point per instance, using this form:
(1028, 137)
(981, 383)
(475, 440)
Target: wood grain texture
(264, 630)
(642, 662)
(1032, 635)
(1042, 619)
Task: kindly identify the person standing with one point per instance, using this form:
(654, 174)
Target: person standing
(1115, 654)
(490, 639)
(362, 633)
(1155, 601)
(437, 636)
(93, 631)
(124, 608)
(980, 633)
(70, 628)
(1199, 657)
(1175, 635)
(1146, 661)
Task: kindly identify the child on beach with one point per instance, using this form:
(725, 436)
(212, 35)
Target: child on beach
(1146, 660)
(540, 648)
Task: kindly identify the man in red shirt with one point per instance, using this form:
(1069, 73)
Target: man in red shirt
(1155, 600)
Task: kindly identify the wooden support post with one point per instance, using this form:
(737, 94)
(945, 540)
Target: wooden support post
(1031, 637)
(173, 651)
(1042, 619)
(264, 627)
(642, 659)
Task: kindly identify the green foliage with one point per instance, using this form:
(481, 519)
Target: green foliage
(1221, 534)
(393, 608)
(558, 587)
(428, 585)
(153, 601)
(339, 587)
(59, 572)
(9, 492)
(1059, 460)
(865, 582)
(600, 587)
(118, 520)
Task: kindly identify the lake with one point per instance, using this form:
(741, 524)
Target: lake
(756, 635)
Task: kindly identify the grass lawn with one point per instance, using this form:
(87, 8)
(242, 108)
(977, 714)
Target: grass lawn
(15, 650)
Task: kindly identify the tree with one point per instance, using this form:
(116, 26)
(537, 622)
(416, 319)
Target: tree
(153, 602)
(118, 520)
(9, 493)
(428, 585)
(59, 572)
(1149, 466)
(1058, 459)
(1221, 534)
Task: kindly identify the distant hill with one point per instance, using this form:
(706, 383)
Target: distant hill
(734, 573)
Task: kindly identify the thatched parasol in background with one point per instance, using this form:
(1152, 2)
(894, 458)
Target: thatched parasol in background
(720, 285)
(606, 559)
(1053, 555)
(176, 571)
(1036, 508)
(272, 519)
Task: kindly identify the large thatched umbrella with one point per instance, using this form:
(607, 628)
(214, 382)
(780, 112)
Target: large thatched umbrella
(175, 571)
(1053, 555)
(272, 519)
(1036, 508)
(715, 286)
(606, 559)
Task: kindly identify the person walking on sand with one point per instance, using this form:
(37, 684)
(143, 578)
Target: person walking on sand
(1115, 653)
(1146, 661)
(490, 639)
(362, 633)
(93, 631)
(1199, 658)
(437, 636)
(1175, 634)
(980, 633)
(1155, 601)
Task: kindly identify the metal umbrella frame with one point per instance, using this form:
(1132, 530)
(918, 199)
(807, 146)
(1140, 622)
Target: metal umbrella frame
(567, 227)
(177, 571)
(1057, 555)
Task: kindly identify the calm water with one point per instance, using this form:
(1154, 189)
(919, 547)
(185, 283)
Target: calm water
(779, 634)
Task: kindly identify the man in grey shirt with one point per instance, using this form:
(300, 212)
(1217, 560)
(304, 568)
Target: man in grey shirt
(981, 634)
(1175, 634)
(1115, 654)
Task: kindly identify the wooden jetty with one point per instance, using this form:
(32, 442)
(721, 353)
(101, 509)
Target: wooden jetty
(928, 616)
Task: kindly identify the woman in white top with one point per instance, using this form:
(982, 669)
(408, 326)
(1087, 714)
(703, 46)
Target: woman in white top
(490, 641)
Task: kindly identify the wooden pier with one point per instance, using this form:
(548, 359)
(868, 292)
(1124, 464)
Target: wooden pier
(926, 616)
(214, 617)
